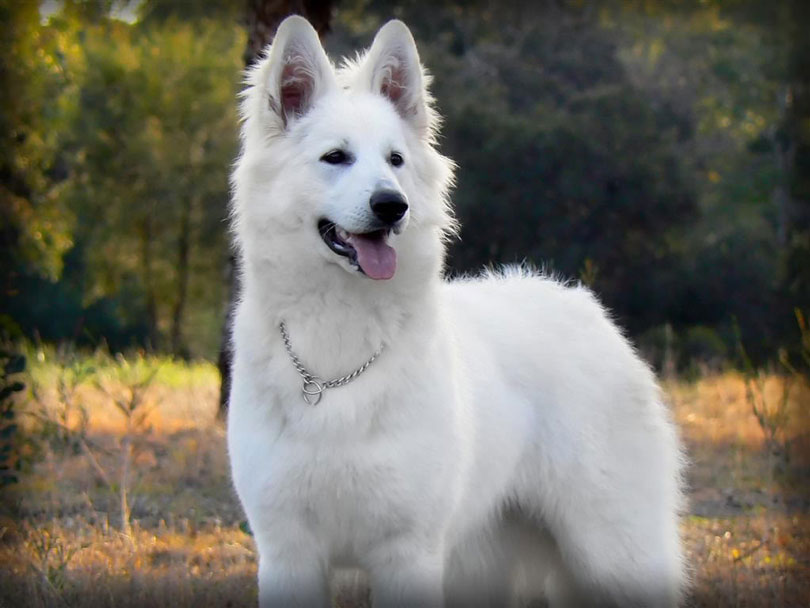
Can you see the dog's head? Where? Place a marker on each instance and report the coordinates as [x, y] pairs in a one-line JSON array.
[[341, 165]]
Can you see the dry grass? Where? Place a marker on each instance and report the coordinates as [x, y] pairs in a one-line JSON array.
[[61, 542], [748, 532]]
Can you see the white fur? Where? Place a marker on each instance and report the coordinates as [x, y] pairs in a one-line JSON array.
[[507, 444]]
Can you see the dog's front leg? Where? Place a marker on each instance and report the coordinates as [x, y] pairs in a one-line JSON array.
[[403, 576], [292, 574]]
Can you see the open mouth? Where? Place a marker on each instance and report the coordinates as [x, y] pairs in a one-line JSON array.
[[369, 252]]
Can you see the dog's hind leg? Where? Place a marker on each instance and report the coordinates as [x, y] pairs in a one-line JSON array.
[[615, 525], [478, 573], [504, 567], [614, 569], [616, 552]]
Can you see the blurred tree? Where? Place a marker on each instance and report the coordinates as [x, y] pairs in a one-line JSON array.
[[658, 150], [737, 69], [638, 137], [719, 73], [154, 138], [795, 146], [35, 225], [114, 181], [155, 12]]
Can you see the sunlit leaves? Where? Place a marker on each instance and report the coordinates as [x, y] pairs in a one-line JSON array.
[[36, 225], [114, 133]]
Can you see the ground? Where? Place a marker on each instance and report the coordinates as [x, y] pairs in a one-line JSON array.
[[98, 436]]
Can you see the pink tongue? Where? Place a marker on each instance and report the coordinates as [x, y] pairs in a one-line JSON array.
[[377, 259]]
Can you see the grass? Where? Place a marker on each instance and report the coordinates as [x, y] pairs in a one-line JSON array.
[[748, 531], [63, 541]]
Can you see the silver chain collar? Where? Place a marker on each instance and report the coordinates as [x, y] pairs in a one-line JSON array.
[[313, 387]]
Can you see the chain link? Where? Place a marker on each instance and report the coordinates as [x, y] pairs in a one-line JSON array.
[[313, 387]]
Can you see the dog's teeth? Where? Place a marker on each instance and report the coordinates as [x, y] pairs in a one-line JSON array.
[[342, 234]]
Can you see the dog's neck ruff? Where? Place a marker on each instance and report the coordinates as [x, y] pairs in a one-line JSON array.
[[313, 387]]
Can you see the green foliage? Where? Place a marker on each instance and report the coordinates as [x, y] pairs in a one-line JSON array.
[[657, 151], [35, 224], [563, 157], [140, 122], [160, 11], [47, 363], [158, 113], [643, 137]]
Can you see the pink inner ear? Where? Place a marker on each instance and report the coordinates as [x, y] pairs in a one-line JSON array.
[[396, 83], [292, 97], [296, 87], [392, 89]]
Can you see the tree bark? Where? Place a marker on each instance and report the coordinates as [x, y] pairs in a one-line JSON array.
[[796, 147], [262, 19], [183, 252], [149, 286]]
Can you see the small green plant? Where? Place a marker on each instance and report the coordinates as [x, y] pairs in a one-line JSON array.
[[589, 272], [131, 379], [773, 415], [801, 370], [50, 556], [65, 425]]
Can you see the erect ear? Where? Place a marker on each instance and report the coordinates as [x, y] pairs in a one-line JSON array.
[[299, 71], [392, 69]]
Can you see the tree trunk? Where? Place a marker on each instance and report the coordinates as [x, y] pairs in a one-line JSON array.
[[183, 247], [149, 283], [262, 19], [796, 145]]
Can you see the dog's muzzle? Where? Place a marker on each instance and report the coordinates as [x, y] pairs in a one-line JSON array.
[[368, 251]]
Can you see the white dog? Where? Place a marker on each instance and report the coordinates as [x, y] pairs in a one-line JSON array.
[[474, 443]]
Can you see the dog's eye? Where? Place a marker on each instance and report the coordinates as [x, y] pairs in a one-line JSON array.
[[336, 157], [396, 159]]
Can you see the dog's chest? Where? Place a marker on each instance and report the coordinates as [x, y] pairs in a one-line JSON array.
[[349, 495], [371, 461]]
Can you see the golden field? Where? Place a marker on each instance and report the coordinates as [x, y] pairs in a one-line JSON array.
[[99, 436]]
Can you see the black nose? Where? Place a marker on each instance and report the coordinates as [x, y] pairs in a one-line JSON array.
[[388, 205]]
